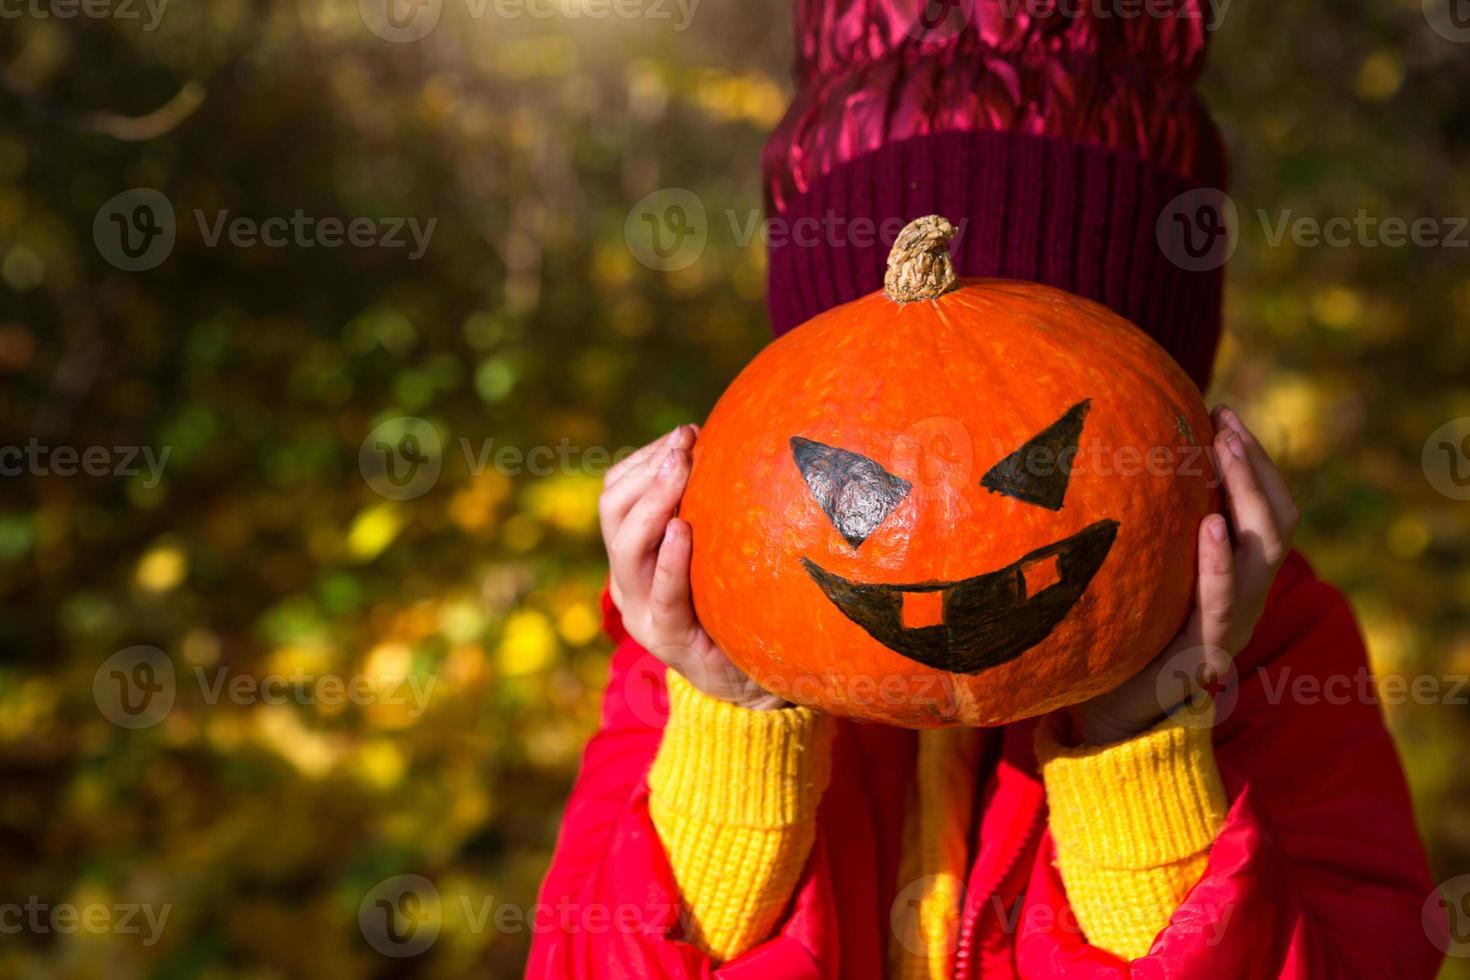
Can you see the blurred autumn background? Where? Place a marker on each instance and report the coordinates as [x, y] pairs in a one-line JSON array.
[[262, 548]]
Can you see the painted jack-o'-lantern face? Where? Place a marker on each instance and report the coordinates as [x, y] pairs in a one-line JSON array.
[[969, 507], [985, 619]]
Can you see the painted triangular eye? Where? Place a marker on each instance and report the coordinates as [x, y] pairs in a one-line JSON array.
[[1038, 472], [856, 493]]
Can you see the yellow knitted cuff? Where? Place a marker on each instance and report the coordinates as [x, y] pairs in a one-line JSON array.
[[1151, 800], [1133, 823], [733, 794], [739, 767]]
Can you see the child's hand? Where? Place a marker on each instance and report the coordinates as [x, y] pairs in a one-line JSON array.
[[648, 551], [1231, 592]]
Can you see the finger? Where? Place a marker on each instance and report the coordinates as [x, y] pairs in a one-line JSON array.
[[1260, 545], [680, 435], [1283, 508], [1215, 598], [1201, 654], [635, 459], [669, 604], [616, 501], [632, 551], [618, 498]]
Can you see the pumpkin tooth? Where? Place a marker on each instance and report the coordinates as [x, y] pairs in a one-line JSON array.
[[922, 609], [1040, 574]]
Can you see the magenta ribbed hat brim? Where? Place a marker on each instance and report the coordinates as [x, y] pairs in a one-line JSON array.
[[1074, 216]]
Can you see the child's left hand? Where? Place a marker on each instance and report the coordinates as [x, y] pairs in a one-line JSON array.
[[1231, 595]]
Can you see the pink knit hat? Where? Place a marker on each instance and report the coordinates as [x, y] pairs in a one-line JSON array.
[[1058, 136]]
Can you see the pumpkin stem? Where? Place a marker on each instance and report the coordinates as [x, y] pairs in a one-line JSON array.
[[919, 266]]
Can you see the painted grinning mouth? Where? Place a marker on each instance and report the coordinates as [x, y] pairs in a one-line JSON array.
[[980, 622]]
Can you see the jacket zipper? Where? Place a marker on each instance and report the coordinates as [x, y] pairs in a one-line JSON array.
[[964, 953]]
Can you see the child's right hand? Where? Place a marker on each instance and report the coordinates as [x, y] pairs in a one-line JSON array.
[[648, 551]]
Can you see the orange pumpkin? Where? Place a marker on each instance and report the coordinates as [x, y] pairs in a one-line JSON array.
[[951, 501]]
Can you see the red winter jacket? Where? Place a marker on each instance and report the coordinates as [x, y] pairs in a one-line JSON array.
[[1317, 873]]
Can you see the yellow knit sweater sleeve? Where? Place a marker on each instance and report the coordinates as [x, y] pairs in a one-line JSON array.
[[733, 794], [1133, 823]]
